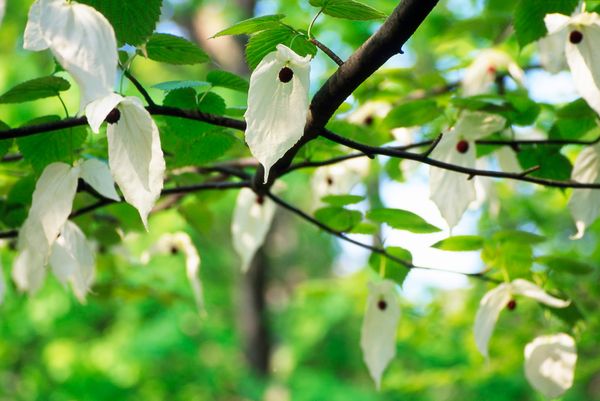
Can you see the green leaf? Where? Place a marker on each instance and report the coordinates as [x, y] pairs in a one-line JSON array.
[[338, 218], [38, 88], [348, 9], [413, 113], [390, 268], [365, 227], [133, 20], [564, 264], [402, 220], [62, 145], [552, 163], [228, 80], [266, 42], [529, 17], [515, 257], [172, 49], [252, 25], [460, 243], [342, 200], [523, 237], [209, 102], [172, 85]]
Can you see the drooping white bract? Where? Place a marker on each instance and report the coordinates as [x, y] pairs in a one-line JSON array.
[[81, 39], [580, 33], [2, 9], [497, 299], [277, 105], [552, 54], [481, 73], [550, 364], [378, 333], [452, 192], [338, 179], [252, 218], [181, 241], [72, 260], [52, 202], [134, 153], [585, 203]]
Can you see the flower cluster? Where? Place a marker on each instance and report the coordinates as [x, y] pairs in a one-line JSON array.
[[83, 42]]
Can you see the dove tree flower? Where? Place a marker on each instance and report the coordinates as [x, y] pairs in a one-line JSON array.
[[181, 241], [580, 34], [134, 152], [584, 204], [52, 202], [338, 179], [550, 364], [82, 41], [252, 218], [494, 301], [378, 333], [449, 190], [277, 105], [482, 72]]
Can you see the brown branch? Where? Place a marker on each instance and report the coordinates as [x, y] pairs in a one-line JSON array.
[[380, 251], [470, 172], [220, 185]]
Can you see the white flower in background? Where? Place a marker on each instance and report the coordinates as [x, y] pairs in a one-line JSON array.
[[481, 73], [252, 218], [580, 34], [552, 55], [81, 39], [339, 178], [134, 154], [368, 111], [550, 364], [2, 9], [72, 260], [52, 202], [181, 242], [585, 203], [378, 333], [495, 300], [452, 192], [277, 105]]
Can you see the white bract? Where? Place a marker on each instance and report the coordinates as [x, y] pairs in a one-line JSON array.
[[585, 203], [497, 299], [134, 153], [2, 9], [550, 364], [277, 105], [72, 260], [378, 333], [551, 49], [452, 192], [481, 73], [580, 34], [181, 241], [252, 218], [81, 39], [339, 178], [52, 202]]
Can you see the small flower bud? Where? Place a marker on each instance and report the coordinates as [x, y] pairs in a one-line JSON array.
[[369, 120], [382, 305], [286, 74], [260, 200], [575, 37], [329, 180], [462, 146], [113, 117], [511, 305]]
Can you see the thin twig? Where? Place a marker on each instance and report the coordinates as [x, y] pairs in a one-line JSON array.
[[139, 87], [336, 59], [380, 251], [452, 167], [433, 146]]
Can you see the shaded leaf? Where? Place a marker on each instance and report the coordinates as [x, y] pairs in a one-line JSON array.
[[38, 88]]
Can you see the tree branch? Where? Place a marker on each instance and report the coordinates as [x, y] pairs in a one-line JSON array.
[[471, 172], [383, 44]]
